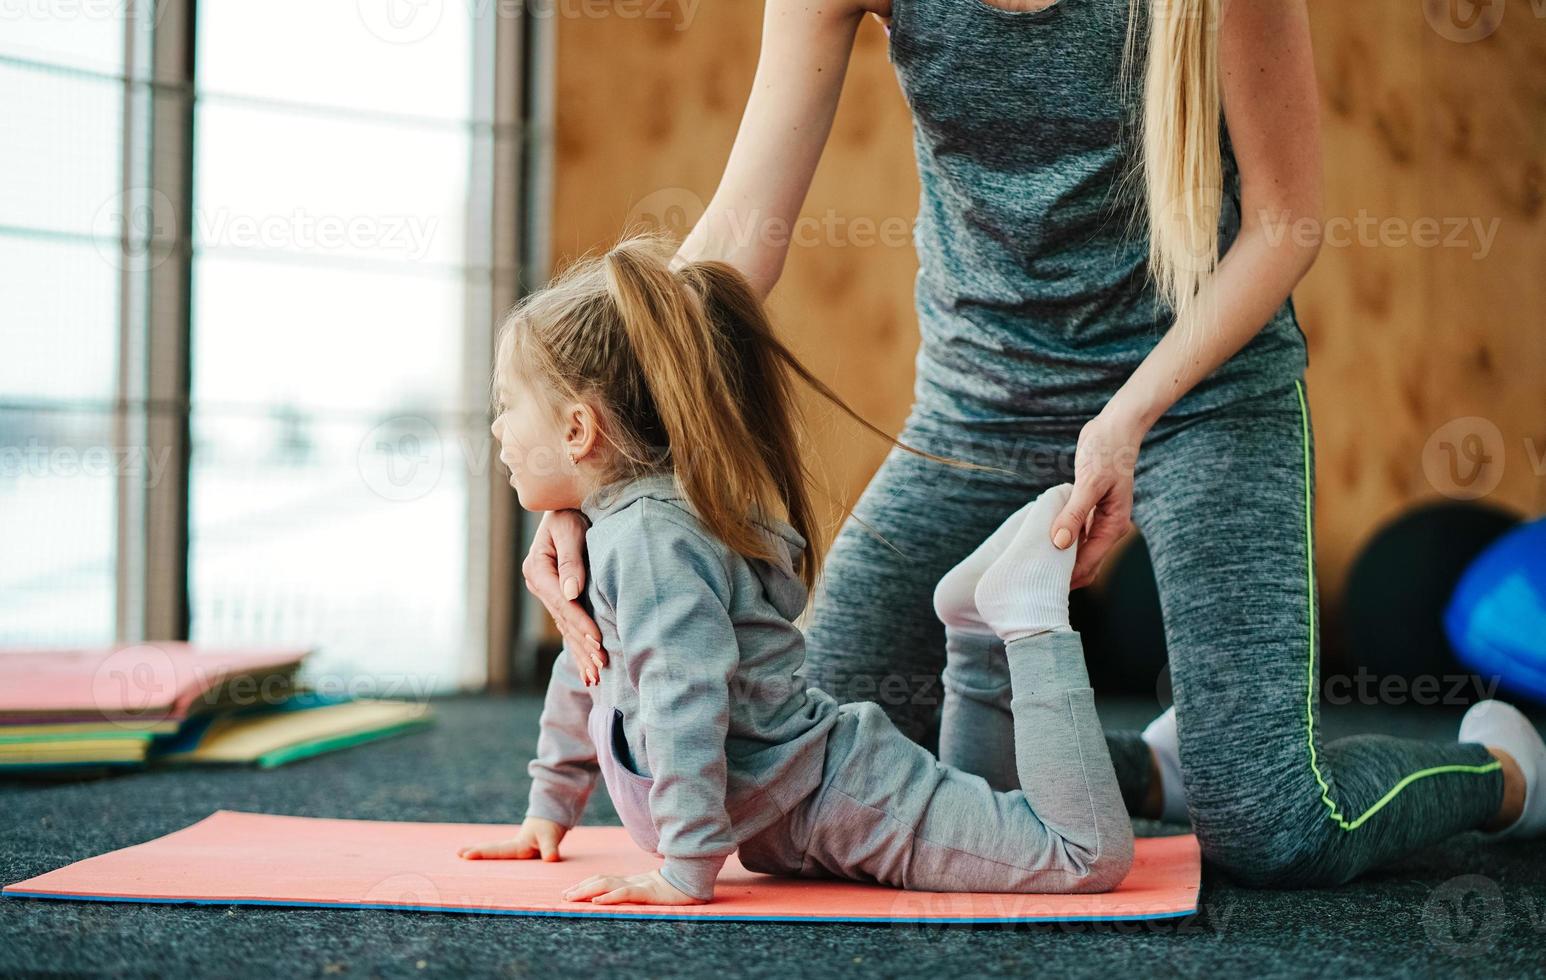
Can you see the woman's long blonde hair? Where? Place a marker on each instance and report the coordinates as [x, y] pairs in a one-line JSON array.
[[1179, 145], [684, 369]]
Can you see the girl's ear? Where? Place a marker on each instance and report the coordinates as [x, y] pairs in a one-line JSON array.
[[581, 431]]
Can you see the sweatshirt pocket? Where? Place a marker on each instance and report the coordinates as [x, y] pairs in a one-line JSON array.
[[630, 791]]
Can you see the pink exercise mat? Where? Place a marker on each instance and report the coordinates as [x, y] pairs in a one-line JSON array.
[[232, 858], [139, 682]]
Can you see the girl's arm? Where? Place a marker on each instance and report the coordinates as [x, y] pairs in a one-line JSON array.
[[670, 590], [805, 50], [564, 772], [1271, 108]]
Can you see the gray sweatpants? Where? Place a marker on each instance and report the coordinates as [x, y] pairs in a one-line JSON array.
[[1224, 500], [888, 811]]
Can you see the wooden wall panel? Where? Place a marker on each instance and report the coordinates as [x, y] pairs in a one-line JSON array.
[[1424, 132], [1403, 338], [646, 114]]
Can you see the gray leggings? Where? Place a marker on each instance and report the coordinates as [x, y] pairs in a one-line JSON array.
[[888, 811], [1224, 501]]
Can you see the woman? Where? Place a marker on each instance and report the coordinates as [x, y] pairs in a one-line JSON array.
[[1142, 329]]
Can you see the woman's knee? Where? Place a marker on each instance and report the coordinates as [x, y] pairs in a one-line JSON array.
[[1268, 854], [1269, 867]]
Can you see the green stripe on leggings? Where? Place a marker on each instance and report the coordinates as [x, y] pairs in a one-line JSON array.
[[1334, 812]]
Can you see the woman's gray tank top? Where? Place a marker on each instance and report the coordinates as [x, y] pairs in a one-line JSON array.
[[1033, 296]]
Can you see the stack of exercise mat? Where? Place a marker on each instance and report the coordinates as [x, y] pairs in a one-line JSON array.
[[68, 711]]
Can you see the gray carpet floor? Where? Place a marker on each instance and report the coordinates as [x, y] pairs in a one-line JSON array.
[[1466, 908]]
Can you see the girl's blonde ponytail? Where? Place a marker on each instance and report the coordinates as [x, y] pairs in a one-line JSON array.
[[690, 379], [696, 396]]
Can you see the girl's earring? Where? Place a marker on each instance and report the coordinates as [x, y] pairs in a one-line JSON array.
[[572, 460]]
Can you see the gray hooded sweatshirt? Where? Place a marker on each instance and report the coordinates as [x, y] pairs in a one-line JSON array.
[[701, 728]]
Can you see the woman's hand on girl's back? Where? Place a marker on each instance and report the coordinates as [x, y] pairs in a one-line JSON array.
[[554, 571], [536, 838]]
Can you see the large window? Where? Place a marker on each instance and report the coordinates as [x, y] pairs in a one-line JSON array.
[[63, 85], [333, 393], [303, 389]]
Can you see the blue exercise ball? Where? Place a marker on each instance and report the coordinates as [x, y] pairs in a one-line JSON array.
[[1496, 619]]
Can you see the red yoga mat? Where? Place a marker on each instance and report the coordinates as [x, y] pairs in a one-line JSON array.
[[232, 858]]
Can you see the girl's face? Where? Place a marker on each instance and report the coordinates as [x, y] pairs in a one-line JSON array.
[[542, 447]]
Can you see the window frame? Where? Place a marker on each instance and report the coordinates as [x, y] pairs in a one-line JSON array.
[[152, 406]]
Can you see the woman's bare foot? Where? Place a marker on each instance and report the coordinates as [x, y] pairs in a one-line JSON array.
[[1520, 750], [1513, 806]]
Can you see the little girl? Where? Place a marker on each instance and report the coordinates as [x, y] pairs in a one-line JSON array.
[[659, 403]]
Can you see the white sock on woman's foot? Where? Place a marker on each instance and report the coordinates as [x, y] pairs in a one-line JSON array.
[[1499, 725], [1024, 590], [1161, 739], [955, 600]]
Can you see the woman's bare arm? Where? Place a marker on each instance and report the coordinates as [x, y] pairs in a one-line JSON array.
[[805, 50], [1271, 105], [806, 46]]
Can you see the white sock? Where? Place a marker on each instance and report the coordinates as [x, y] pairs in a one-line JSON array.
[[1161, 739], [1024, 591], [955, 597], [1501, 726]]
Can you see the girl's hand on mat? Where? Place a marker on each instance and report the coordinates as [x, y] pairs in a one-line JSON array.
[[536, 838], [645, 889], [554, 570], [1101, 507]]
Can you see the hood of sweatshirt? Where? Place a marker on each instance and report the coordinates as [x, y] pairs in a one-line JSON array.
[[780, 580]]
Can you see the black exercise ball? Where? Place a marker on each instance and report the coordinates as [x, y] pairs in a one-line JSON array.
[[1398, 587], [1120, 620]]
